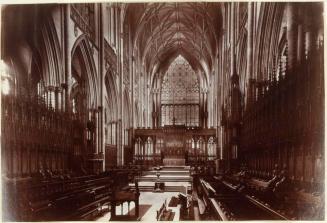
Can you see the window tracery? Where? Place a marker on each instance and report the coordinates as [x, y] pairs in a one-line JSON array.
[[180, 95]]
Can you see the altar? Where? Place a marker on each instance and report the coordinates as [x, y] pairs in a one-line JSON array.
[[174, 162], [171, 145], [174, 156]]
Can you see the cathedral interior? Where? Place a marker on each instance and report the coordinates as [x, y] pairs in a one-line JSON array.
[[162, 111]]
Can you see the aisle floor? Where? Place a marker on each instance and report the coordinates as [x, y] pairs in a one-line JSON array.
[[149, 203]]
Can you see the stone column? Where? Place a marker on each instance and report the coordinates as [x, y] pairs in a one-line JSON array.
[[251, 82], [102, 70], [120, 60], [132, 96], [94, 132], [300, 44], [56, 95], [101, 126], [68, 58], [201, 108], [206, 147], [206, 104], [97, 131], [291, 34], [154, 119], [232, 38], [158, 108], [49, 98], [63, 97], [60, 99], [148, 114]]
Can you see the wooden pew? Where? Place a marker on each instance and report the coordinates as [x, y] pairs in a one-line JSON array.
[[84, 202], [68, 198], [164, 214], [282, 195], [305, 205], [211, 204], [41, 201]]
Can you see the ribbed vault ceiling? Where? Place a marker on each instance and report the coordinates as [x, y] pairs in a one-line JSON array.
[[162, 31]]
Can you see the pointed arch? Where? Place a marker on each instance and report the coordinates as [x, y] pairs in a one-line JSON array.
[[50, 52], [112, 93], [82, 53]]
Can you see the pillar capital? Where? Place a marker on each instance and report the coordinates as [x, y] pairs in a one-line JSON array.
[[50, 88], [58, 89], [64, 86]]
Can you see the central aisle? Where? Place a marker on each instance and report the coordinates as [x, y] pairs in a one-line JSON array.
[[176, 179], [149, 204]]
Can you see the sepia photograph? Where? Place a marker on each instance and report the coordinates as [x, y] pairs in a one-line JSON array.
[[162, 111]]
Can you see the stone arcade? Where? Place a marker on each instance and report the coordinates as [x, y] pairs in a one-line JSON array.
[[162, 111]]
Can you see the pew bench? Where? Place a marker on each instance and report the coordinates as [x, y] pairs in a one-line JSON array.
[[301, 204], [39, 209], [164, 214], [46, 200], [72, 198]]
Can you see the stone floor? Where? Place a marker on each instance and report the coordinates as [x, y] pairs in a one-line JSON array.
[[149, 203], [148, 183]]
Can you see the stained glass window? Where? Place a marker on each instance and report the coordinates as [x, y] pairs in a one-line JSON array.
[[180, 95]]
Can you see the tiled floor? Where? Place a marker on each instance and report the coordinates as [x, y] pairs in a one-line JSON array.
[[154, 200]]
